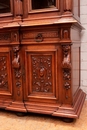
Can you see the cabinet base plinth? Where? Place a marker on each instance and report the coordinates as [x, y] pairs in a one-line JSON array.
[[17, 106], [73, 111]]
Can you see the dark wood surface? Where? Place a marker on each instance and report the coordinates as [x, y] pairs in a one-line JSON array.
[[40, 59]]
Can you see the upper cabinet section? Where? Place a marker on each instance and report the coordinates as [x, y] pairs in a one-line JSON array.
[[33, 10]]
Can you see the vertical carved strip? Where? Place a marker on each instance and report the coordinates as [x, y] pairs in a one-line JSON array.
[[67, 5], [18, 7], [17, 69], [66, 68]]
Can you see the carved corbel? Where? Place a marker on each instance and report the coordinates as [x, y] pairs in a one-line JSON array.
[[16, 60], [66, 58]]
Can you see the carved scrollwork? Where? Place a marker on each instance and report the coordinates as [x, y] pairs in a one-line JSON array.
[[42, 73]]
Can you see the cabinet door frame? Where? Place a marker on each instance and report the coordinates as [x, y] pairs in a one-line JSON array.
[[30, 94], [38, 13]]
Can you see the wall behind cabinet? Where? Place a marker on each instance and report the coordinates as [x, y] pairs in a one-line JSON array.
[[83, 19]]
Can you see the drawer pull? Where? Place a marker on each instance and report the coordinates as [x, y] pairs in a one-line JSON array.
[[39, 38]]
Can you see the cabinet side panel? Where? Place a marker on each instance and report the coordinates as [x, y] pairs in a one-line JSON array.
[[76, 9], [75, 69]]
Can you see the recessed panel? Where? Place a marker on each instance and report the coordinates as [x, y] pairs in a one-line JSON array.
[[41, 74], [5, 73]]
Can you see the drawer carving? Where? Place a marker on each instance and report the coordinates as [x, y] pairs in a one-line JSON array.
[[32, 35], [5, 36]]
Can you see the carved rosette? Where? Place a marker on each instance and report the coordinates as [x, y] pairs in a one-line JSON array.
[[3, 73], [42, 73], [66, 68], [17, 68]]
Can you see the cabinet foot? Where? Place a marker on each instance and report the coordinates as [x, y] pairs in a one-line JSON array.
[[21, 114], [67, 120]]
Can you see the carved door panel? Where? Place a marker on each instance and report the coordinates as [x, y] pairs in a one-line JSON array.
[[5, 73], [41, 73]]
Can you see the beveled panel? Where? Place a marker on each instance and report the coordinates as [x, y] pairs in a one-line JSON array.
[[5, 72], [40, 73]]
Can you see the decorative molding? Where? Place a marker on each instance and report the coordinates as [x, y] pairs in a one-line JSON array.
[[46, 34], [42, 73]]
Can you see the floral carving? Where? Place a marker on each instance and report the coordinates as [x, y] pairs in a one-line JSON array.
[[66, 74], [42, 73]]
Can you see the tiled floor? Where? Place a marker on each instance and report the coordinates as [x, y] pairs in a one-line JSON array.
[[9, 121]]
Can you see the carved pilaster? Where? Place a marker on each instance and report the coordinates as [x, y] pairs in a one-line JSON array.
[[66, 69], [67, 5], [17, 69], [18, 10]]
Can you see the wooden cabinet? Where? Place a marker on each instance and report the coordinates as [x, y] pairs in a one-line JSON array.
[[40, 57]]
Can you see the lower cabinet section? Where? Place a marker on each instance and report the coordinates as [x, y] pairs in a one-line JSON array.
[[40, 71], [32, 80]]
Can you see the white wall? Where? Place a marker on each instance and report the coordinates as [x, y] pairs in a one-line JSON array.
[[83, 19]]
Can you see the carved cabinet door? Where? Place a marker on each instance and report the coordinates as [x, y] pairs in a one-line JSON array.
[[5, 75], [41, 73]]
